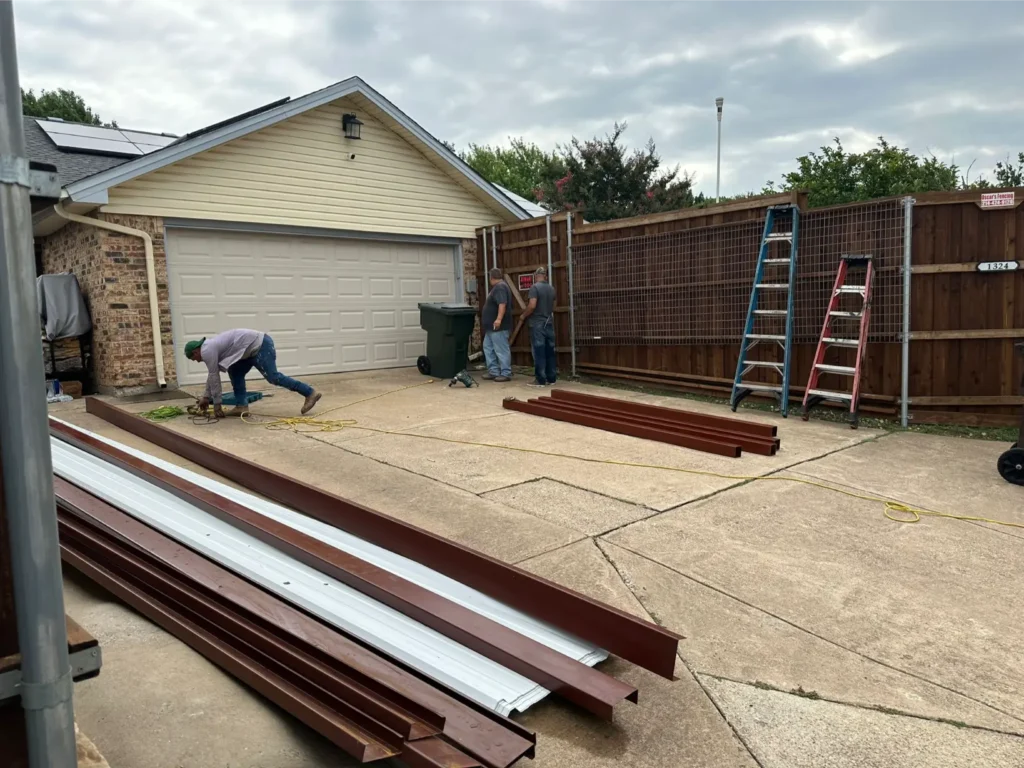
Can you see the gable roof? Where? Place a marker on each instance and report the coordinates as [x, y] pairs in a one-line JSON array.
[[532, 208], [71, 166], [93, 188]]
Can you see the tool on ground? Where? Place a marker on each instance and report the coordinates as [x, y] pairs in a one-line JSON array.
[[837, 332], [463, 378], [1011, 462], [770, 319]]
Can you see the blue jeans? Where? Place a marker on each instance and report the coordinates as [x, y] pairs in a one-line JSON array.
[[264, 361], [545, 362], [497, 354]]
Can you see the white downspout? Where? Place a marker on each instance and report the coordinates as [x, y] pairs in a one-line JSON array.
[[154, 307]]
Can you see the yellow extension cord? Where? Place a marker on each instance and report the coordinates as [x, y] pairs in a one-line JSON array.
[[894, 510]]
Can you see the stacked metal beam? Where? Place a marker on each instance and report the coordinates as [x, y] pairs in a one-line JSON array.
[[703, 432], [273, 596]]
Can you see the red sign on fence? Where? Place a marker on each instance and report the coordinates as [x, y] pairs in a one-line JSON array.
[[526, 282], [997, 200]]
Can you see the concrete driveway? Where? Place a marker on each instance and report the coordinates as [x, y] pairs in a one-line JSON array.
[[818, 632]]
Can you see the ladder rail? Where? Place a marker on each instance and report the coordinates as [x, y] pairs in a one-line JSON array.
[[748, 326], [788, 352], [862, 347]]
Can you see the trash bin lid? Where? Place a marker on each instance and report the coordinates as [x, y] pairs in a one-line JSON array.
[[448, 308]]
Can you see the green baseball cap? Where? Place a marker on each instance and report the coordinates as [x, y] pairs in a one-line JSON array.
[[192, 346]]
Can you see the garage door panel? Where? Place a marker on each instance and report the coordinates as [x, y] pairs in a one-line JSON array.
[[330, 304]]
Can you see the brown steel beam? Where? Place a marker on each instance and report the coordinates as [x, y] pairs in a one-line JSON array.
[[301, 705], [629, 637], [435, 753], [760, 445], [571, 679], [720, 448], [702, 419], [496, 741], [375, 715]]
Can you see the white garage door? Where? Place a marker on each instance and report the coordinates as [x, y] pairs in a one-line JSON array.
[[330, 304]]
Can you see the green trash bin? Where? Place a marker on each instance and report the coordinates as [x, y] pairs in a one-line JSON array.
[[448, 328]]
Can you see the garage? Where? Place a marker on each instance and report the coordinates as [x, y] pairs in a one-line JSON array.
[[331, 304]]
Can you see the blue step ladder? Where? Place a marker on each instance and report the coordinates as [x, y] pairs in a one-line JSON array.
[[775, 276]]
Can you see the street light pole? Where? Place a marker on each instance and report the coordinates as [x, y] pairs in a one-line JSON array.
[[718, 173]]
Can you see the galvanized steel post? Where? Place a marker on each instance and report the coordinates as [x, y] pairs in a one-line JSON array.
[[486, 268], [547, 224], [908, 228], [572, 298], [494, 245], [46, 682]]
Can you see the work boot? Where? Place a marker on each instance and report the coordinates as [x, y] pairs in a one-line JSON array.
[[502, 379], [312, 399], [490, 376], [238, 410]]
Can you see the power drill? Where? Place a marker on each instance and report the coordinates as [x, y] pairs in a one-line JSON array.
[[463, 378]]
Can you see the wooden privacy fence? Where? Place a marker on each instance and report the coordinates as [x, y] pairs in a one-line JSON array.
[[661, 299]]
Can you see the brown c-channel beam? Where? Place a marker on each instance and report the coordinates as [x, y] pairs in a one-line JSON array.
[[571, 679], [495, 740], [622, 427], [298, 703], [724, 423], [760, 445], [629, 637]]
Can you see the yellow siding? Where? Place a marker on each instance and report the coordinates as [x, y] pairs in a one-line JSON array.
[[299, 173]]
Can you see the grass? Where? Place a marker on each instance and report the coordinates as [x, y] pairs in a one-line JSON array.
[[999, 434]]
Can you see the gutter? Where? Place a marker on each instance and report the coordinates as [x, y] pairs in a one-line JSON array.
[[154, 307]]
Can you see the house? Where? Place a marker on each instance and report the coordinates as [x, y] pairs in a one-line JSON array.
[[323, 220]]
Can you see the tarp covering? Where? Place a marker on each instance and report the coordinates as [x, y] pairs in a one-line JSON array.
[[62, 307]]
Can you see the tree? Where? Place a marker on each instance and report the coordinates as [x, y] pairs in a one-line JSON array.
[[521, 167], [603, 181], [835, 176], [1010, 174], [62, 103]]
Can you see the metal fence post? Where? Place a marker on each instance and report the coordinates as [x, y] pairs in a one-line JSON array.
[[547, 224], [46, 681], [908, 229], [572, 298], [494, 245], [486, 268]]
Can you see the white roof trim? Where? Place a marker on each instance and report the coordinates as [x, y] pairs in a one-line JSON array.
[[91, 186]]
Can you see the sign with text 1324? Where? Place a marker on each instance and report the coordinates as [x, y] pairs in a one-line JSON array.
[[998, 200], [998, 266]]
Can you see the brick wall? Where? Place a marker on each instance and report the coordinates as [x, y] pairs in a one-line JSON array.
[[469, 267], [111, 269]]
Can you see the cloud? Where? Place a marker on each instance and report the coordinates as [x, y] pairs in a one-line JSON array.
[[939, 77]]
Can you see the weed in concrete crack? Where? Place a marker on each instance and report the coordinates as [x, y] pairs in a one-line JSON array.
[[799, 691], [954, 723], [764, 686], [886, 710]]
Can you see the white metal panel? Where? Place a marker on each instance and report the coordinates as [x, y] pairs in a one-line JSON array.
[[436, 582], [330, 304]]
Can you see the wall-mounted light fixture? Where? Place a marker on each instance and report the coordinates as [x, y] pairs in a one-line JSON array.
[[352, 126]]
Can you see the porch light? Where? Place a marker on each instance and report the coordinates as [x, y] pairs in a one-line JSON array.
[[352, 126]]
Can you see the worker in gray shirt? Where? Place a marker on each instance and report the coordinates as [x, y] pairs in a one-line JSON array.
[[238, 351], [496, 319], [539, 316]]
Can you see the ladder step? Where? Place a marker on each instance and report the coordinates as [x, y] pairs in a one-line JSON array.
[[780, 236], [836, 313], [776, 261], [766, 336], [851, 289], [759, 387], [846, 370], [842, 342], [770, 312], [776, 286], [844, 396], [763, 363]]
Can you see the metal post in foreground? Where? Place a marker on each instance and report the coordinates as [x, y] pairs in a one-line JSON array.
[[494, 245], [572, 298], [547, 224], [46, 684], [486, 268], [908, 229], [718, 173]]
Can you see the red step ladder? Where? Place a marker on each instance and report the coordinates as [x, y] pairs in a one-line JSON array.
[[837, 331]]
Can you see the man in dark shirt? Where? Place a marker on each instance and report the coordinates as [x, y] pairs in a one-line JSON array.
[[497, 323], [539, 315]]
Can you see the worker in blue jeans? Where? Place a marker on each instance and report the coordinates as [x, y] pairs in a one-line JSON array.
[[238, 351], [539, 316], [497, 323]]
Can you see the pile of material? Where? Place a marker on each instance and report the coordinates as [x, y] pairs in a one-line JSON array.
[[712, 434], [386, 639]]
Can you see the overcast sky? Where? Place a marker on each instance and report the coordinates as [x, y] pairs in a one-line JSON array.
[[943, 77]]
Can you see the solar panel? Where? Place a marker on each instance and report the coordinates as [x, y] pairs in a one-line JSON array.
[[110, 141]]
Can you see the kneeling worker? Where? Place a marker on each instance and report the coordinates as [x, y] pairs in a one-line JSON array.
[[239, 351]]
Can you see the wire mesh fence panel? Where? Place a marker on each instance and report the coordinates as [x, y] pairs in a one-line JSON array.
[[693, 286]]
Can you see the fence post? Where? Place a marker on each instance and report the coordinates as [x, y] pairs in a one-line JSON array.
[[494, 245], [547, 224], [572, 298], [486, 268], [908, 228]]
